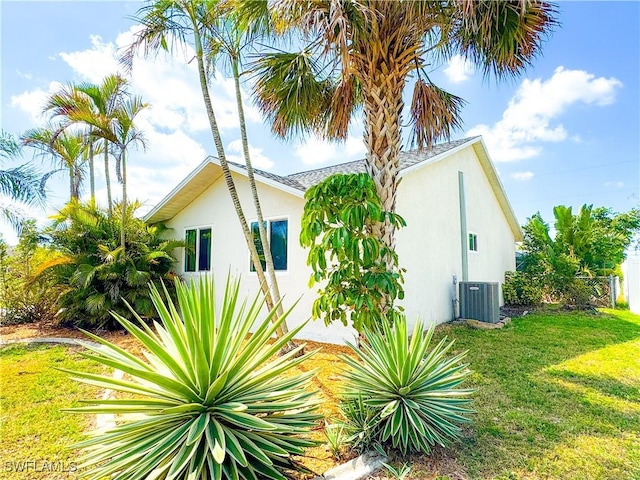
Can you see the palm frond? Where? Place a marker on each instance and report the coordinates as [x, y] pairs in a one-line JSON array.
[[434, 114], [504, 37]]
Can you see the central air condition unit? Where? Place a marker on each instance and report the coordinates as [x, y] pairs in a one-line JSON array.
[[480, 301]]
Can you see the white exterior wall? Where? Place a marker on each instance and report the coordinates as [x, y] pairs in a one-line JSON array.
[[429, 247], [229, 251], [631, 269]]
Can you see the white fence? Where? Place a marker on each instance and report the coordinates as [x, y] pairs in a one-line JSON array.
[[631, 268]]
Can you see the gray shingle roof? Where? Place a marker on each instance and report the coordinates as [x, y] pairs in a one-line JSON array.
[[303, 180], [407, 159]]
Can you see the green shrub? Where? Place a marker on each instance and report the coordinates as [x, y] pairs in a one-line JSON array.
[[23, 299], [209, 402], [577, 294], [96, 274], [360, 272], [411, 392], [522, 288]]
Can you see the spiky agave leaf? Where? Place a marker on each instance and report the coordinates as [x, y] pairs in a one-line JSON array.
[[412, 389], [209, 402]]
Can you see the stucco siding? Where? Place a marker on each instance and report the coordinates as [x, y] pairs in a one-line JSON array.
[[430, 246], [230, 254]]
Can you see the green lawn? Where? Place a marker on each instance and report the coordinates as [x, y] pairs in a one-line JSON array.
[[34, 432], [558, 397]]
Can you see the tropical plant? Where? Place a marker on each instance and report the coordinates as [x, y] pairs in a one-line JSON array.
[[589, 243], [400, 472], [74, 102], [20, 184], [119, 130], [336, 438], [168, 24], [413, 390], [362, 53], [211, 401], [522, 289], [361, 272], [22, 298], [68, 151], [97, 275]]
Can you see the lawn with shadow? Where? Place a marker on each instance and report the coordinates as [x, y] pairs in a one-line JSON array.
[[558, 397]]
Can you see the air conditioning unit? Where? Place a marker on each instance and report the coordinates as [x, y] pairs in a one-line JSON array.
[[480, 301]]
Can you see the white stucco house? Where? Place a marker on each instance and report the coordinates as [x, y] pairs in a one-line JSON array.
[[459, 223]]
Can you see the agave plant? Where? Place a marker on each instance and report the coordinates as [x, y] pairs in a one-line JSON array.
[[411, 392], [208, 401]]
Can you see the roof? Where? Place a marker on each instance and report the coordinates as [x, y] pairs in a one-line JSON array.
[[296, 184]]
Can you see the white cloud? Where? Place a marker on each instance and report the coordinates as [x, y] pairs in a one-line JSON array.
[[316, 151], [614, 184], [522, 176], [176, 113], [458, 69], [527, 121], [32, 102], [258, 159]]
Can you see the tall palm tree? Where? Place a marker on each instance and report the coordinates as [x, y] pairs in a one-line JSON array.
[[168, 24], [230, 37], [119, 131], [20, 184], [101, 100], [69, 151], [362, 53]]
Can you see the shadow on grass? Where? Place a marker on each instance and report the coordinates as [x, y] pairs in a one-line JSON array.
[[540, 386]]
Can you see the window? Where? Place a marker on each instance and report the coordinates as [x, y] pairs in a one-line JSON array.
[[277, 233], [197, 250], [473, 242]]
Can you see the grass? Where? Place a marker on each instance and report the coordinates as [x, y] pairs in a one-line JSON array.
[[35, 433], [558, 396]]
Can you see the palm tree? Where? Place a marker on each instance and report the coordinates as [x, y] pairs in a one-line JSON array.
[[68, 151], [230, 37], [166, 24], [362, 53], [120, 132], [19, 184], [99, 100]]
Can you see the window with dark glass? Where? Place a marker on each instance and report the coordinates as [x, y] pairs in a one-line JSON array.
[[277, 234], [204, 252], [473, 242], [197, 252], [190, 251]]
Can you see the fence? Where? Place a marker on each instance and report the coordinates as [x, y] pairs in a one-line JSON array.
[[604, 290]]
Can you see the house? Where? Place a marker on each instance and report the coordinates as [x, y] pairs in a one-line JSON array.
[[459, 224]]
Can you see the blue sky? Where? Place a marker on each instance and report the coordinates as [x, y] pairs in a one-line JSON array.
[[565, 132]]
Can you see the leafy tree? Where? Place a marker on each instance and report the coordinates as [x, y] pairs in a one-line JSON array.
[[98, 276], [337, 228], [361, 54], [590, 243], [22, 299]]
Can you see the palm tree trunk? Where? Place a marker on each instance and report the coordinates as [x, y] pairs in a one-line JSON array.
[[382, 109], [107, 177], [72, 183], [227, 173], [124, 197], [275, 291], [92, 179]]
